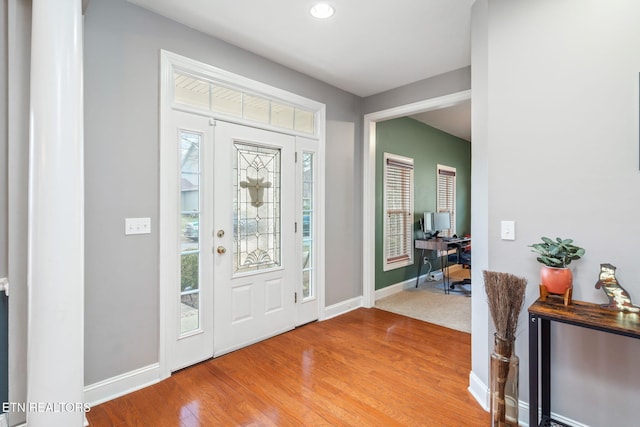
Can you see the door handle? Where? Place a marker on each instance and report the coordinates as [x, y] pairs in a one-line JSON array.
[[221, 250]]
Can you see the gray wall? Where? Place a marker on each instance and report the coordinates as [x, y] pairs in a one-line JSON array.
[[433, 87], [122, 44], [561, 96]]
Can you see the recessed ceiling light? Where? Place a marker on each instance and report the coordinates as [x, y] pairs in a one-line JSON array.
[[322, 11]]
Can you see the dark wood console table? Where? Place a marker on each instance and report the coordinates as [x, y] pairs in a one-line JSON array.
[[583, 314]]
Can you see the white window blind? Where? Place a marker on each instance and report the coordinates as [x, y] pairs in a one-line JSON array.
[[398, 210], [446, 197]]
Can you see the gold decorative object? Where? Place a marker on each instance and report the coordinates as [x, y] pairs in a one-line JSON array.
[[619, 299]]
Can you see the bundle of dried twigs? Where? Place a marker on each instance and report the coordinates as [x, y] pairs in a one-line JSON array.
[[505, 295]]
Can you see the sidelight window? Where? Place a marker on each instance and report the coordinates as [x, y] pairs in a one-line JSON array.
[[190, 179]]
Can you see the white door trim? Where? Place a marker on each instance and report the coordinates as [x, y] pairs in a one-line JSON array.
[[369, 179], [168, 267]]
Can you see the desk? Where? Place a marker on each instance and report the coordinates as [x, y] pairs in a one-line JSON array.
[[583, 314], [440, 246]]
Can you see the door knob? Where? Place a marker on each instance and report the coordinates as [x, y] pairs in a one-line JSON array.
[[221, 250]]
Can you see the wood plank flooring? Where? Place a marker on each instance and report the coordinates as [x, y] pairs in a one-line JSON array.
[[366, 368]]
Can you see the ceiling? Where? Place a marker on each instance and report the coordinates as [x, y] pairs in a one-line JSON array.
[[455, 120], [365, 48]]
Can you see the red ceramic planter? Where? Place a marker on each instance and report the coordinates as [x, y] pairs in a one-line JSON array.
[[556, 280]]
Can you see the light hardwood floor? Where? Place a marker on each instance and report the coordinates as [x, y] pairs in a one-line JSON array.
[[366, 368]]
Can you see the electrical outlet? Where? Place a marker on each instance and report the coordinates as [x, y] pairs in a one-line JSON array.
[[435, 275], [137, 226]]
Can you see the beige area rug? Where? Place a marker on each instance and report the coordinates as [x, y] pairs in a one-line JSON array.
[[429, 303]]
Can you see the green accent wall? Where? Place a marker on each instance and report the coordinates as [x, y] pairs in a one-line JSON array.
[[428, 147]]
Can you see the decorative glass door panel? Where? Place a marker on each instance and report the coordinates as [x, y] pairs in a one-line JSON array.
[[256, 207], [190, 178]]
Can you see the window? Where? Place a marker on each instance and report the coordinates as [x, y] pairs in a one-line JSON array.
[[446, 197], [308, 286], [206, 95], [190, 175], [398, 211]]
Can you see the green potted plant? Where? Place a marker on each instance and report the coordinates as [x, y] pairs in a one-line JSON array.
[[555, 256]]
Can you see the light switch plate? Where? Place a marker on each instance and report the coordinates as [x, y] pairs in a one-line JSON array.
[[508, 230], [137, 226]]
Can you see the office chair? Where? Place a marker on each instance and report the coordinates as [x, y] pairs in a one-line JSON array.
[[462, 257]]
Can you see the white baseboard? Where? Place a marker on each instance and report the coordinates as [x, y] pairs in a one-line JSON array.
[[120, 385], [410, 283], [399, 287], [393, 289], [523, 414], [342, 308], [567, 421], [479, 390], [523, 417]]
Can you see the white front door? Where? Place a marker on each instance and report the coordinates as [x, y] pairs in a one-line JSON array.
[[254, 235]]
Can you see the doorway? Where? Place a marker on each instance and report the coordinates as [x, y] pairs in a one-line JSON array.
[[369, 166], [241, 212]]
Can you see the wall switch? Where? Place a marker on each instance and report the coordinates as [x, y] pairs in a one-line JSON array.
[[508, 230], [137, 226]]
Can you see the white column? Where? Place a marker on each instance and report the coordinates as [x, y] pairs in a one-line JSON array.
[[55, 358]]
